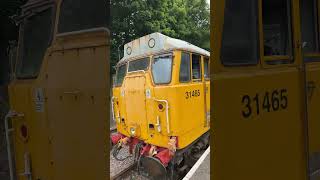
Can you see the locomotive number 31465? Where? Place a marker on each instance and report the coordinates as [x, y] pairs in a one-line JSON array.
[[191, 94], [269, 101]]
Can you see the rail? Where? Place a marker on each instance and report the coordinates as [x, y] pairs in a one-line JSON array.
[[124, 172]]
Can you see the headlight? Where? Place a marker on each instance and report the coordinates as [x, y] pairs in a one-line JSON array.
[[132, 131]]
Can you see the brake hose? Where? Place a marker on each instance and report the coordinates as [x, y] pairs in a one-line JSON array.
[[115, 151], [137, 155]]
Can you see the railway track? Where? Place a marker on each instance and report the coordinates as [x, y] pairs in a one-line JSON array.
[[129, 172], [124, 173]]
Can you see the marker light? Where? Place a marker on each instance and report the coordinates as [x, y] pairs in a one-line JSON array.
[[24, 131], [160, 106], [132, 131]]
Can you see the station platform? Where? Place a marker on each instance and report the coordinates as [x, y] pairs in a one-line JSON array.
[[201, 170]]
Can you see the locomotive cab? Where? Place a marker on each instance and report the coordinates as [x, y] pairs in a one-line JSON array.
[[161, 95], [52, 96], [266, 71]]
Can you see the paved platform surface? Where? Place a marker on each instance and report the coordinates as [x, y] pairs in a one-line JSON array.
[[315, 175], [203, 171]]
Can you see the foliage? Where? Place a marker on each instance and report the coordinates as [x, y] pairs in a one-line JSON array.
[[184, 19]]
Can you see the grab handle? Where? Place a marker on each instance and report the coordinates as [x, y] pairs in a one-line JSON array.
[[8, 130], [72, 92]]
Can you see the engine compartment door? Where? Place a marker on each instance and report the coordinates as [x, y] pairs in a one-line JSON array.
[[135, 104]]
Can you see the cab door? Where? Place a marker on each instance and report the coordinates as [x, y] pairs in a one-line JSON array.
[[191, 86], [258, 120], [196, 93], [206, 86], [309, 14]]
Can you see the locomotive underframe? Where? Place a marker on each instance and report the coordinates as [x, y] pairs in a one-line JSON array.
[[158, 162]]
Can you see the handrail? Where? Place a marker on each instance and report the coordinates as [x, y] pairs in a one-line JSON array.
[[72, 92], [167, 112], [112, 108], [113, 112], [10, 160], [92, 30], [27, 166], [9, 115]]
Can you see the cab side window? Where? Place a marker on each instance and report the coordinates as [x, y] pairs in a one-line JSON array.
[[34, 43], [309, 26], [121, 73], [240, 33], [77, 15], [196, 67], [276, 27], [206, 68], [185, 75]]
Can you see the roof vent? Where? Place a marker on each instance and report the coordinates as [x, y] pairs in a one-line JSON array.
[[129, 50]]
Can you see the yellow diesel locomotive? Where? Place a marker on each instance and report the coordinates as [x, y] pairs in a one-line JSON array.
[[266, 76], [161, 102]]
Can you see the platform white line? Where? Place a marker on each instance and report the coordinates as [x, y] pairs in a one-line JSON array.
[[315, 173], [197, 165]]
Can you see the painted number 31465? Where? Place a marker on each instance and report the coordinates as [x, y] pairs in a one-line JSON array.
[[269, 101], [191, 94]]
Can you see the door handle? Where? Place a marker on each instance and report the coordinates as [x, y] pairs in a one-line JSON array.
[[71, 92]]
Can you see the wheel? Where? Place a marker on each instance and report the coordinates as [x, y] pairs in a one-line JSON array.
[[153, 168]]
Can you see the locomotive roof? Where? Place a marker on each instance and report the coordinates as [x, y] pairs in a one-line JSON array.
[[154, 43]]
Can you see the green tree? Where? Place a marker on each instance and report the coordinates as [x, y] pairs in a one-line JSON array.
[[183, 19]]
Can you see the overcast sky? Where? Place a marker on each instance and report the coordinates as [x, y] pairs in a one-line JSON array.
[[208, 1]]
